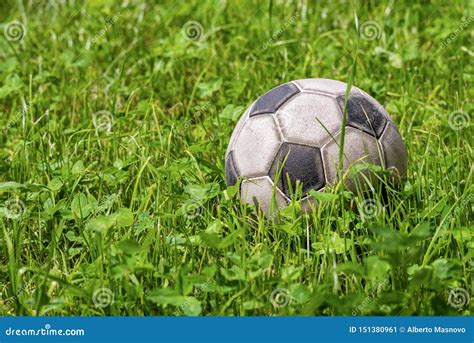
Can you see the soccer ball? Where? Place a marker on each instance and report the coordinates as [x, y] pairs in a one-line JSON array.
[[289, 138]]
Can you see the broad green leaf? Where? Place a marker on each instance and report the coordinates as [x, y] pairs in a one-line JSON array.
[[214, 227], [231, 112], [300, 293], [123, 217], [78, 167], [463, 234], [234, 273], [231, 238], [419, 276], [70, 235], [55, 184], [11, 85], [264, 259], [376, 267], [252, 305], [10, 185], [447, 269], [210, 239], [231, 191], [202, 192], [290, 273], [118, 163], [166, 296], [101, 224], [80, 206], [422, 231], [191, 307], [129, 246], [323, 196], [206, 89], [351, 268]]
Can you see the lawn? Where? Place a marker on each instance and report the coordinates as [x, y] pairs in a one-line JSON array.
[[115, 118]]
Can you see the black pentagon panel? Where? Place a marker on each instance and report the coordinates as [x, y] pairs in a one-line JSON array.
[[231, 173], [364, 115], [301, 163], [273, 99]]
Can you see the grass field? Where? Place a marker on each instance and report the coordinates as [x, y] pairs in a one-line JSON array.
[[115, 118]]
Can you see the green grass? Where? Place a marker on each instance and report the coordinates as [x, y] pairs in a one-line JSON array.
[[135, 207]]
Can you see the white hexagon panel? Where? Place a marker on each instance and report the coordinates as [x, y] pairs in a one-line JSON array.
[[256, 145], [328, 86], [359, 147], [262, 192], [309, 118]]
